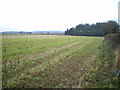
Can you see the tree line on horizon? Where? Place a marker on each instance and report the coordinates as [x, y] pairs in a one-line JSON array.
[[98, 29]]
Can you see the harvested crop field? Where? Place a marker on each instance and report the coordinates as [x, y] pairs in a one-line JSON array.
[[53, 61]]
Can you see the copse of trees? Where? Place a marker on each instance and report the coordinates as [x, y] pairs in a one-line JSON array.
[[98, 29]]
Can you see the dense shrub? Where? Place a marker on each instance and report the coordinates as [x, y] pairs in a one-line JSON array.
[[113, 40]]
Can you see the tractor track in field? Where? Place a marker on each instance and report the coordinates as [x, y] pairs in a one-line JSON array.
[[68, 71], [66, 74], [43, 54], [56, 58], [52, 50], [69, 74]]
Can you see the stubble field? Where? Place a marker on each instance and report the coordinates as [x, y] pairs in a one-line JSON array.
[[53, 61]]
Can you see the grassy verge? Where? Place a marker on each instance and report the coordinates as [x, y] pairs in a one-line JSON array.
[[104, 75]]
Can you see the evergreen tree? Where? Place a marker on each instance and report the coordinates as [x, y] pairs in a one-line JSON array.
[[98, 29]]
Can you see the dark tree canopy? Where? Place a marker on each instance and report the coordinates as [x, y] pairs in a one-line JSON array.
[[98, 29]]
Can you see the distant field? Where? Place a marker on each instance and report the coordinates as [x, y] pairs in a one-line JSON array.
[[51, 61]]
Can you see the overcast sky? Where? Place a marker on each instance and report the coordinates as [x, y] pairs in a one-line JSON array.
[[54, 15]]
